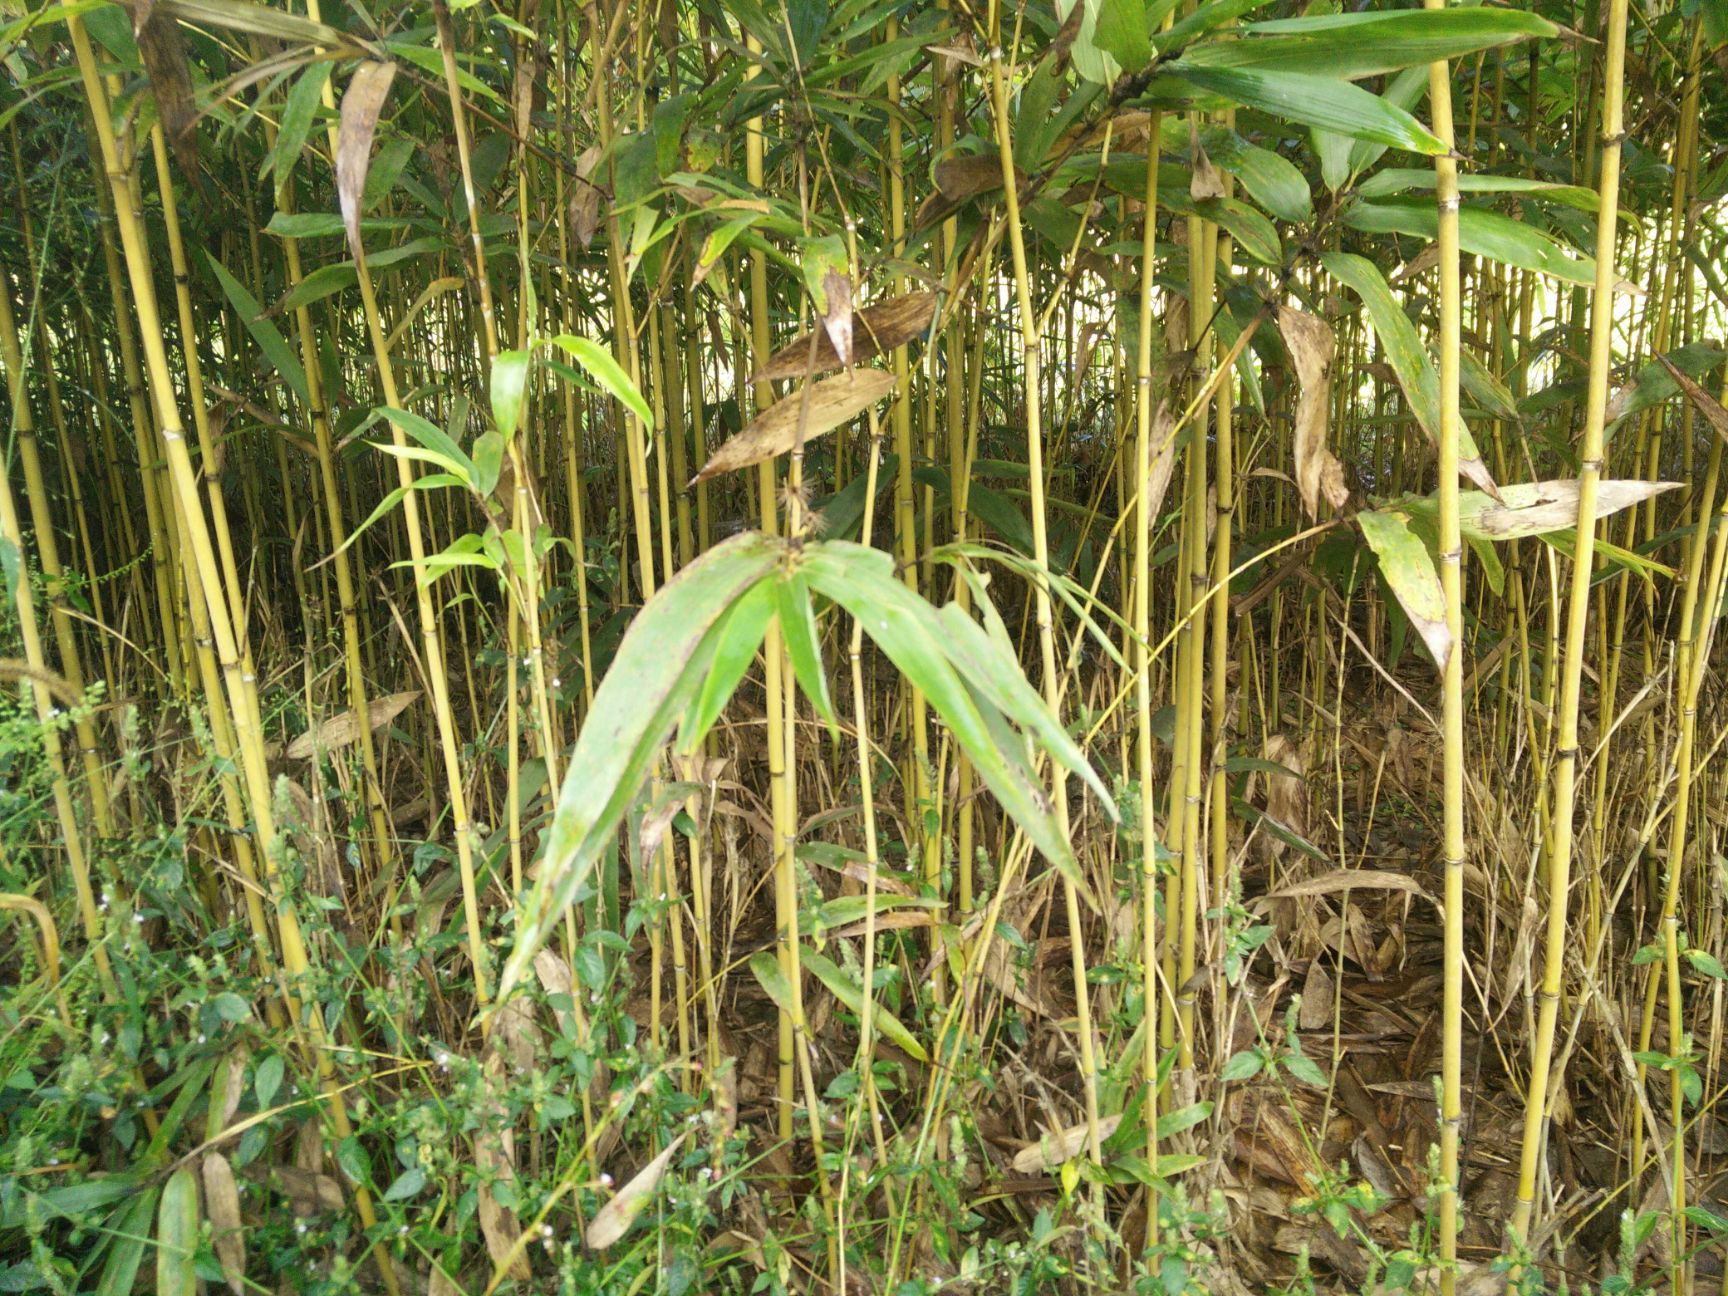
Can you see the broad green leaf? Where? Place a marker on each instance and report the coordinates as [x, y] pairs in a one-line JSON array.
[[1270, 179], [604, 369], [1403, 92], [1324, 102], [427, 434], [131, 1225], [765, 967], [849, 992], [488, 460], [1172, 1123], [1354, 45], [296, 122], [1121, 33], [1093, 63], [908, 631], [804, 647], [509, 390], [177, 1236], [1397, 180], [1407, 356], [735, 640], [1408, 569], [1487, 390], [1481, 233], [268, 337], [1252, 231], [650, 683]]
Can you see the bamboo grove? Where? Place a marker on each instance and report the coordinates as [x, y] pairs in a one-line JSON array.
[[856, 647]]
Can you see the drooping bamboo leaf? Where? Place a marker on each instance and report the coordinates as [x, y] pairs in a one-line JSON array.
[[296, 124], [1407, 356], [265, 333], [1481, 233], [908, 630], [509, 392], [604, 369], [361, 106], [649, 685], [1410, 573], [849, 992], [798, 632]]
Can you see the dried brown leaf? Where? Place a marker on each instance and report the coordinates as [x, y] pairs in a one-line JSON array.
[[1707, 404], [1312, 346], [222, 1206], [613, 1219], [875, 329], [1205, 181], [364, 100], [806, 413], [1537, 508], [340, 730], [1051, 1151], [164, 57], [1350, 880]]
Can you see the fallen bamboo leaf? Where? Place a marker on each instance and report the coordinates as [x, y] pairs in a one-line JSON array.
[[222, 1208], [340, 730], [614, 1219], [1350, 880], [1053, 1150]]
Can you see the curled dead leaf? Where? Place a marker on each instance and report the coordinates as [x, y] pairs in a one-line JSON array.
[[876, 329], [1312, 346], [361, 105], [806, 413]]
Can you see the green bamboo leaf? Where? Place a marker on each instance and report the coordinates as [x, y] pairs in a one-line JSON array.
[[1121, 33], [131, 1229], [177, 1236], [851, 993], [1270, 179], [1409, 570], [1396, 180], [1407, 356], [509, 391], [1480, 233], [765, 967], [604, 369], [268, 337], [428, 435], [488, 460], [1354, 45], [296, 123], [1324, 102], [909, 632], [798, 632], [652, 679], [1252, 231], [734, 642]]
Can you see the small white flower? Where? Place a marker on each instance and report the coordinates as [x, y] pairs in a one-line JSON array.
[[605, 1180]]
